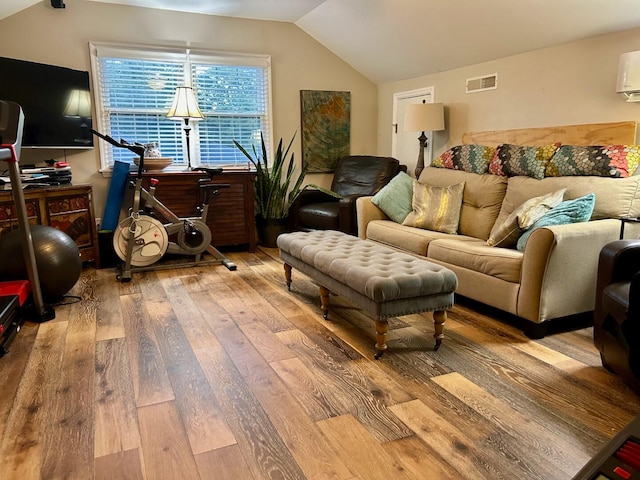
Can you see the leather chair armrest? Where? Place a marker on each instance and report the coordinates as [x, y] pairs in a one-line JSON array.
[[634, 299], [347, 214], [306, 197], [313, 196], [619, 261]]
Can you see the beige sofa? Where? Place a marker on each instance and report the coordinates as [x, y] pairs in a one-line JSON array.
[[555, 275]]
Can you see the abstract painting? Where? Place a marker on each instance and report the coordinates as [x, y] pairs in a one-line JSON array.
[[326, 128]]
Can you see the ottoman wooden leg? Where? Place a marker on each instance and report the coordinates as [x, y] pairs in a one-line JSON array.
[[439, 317], [287, 275], [381, 337], [324, 301]]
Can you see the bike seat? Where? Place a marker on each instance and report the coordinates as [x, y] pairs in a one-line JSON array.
[[212, 172]]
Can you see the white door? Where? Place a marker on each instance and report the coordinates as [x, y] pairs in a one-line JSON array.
[[405, 145]]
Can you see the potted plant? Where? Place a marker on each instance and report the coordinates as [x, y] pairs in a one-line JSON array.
[[276, 188]]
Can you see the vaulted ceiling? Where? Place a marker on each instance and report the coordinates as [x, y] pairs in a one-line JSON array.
[[389, 40]]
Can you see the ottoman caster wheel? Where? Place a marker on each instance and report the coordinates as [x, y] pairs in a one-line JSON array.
[[378, 355], [437, 345]]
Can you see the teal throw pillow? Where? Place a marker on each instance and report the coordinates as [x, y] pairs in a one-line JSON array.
[[570, 211], [394, 199]]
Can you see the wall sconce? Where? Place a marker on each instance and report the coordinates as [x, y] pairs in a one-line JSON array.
[[185, 107], [423, 117]]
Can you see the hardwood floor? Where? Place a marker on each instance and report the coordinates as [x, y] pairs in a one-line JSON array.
[[206, 373]]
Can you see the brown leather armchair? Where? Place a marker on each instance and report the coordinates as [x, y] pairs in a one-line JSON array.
[[617, 310], [355, 176]]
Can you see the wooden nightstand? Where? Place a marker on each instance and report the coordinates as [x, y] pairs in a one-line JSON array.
[[66, 207], [231, 216]]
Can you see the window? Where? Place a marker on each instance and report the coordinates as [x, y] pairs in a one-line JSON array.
[[134, 88]]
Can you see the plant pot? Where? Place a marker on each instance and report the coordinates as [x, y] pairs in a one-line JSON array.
[[269, 229]]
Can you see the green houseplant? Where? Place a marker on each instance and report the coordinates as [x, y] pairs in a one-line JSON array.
[[276, 187]]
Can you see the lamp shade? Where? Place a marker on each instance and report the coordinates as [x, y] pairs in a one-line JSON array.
[[78, 104], [184, 104], [424, 117]]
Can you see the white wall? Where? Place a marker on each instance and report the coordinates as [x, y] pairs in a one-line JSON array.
[[567, 84], [61, 37]]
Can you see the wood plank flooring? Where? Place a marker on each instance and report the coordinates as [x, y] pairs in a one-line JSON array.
[[203, 373]]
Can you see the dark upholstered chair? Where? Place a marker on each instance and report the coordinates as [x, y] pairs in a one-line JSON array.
[[355, 176], [617, 310]]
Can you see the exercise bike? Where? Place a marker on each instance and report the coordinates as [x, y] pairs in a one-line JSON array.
[[141, 239]]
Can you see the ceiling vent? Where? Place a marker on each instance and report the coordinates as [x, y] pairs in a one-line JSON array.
[[480, 84]]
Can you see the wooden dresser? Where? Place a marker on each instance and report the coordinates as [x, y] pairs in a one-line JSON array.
[[231, 215], [66, 207]]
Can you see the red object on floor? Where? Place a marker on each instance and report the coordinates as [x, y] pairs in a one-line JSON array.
[[21, 288]]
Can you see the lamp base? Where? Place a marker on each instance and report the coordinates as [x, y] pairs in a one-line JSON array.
[[187, 130], [420, 165]]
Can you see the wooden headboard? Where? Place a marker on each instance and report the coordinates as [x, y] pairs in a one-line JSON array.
[[620, 133]]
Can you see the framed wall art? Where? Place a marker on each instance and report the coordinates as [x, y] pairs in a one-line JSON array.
[[326, 128]]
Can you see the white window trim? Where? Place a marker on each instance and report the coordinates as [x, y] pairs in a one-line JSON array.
[[98, 49]]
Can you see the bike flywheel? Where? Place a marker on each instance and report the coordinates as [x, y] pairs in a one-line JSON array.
[[149, 236]]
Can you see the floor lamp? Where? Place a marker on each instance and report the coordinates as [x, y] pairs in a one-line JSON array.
[[423, 117], [185, 107]]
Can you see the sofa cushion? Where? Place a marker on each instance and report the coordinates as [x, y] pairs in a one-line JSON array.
[[511, 160], [506, 234], [410, 239], [481, 200], [469, 158], [615, 197], [394, 199], [571, 211], [436, 208], [503, 263], [603, 161]]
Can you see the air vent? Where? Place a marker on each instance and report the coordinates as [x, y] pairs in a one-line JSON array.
[[480, 84]]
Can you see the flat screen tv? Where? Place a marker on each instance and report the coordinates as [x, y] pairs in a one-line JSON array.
[[55, 100]]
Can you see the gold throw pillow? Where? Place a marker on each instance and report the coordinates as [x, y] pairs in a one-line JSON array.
[[436, 208]]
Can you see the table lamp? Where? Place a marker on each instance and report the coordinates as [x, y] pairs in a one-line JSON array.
[[423, 117], [185, 107]]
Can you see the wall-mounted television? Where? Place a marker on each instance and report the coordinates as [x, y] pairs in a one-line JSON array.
[[56, 102]]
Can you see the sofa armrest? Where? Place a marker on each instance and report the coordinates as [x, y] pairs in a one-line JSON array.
[[366, 212], [560, 267]]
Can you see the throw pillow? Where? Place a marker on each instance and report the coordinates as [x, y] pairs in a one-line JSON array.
[[511, 160], [394, 199], [507, 234], [602, 161], [570, 211], [436, 208], [469, 158]]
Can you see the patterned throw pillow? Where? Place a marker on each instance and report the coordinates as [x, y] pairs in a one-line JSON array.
[[507, 234], [436, 208], [469, 158], [511, 160], [569, 211], [394, 199], [601, 161]]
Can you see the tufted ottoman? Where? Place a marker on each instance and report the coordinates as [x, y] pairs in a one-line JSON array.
[[382, 281]]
